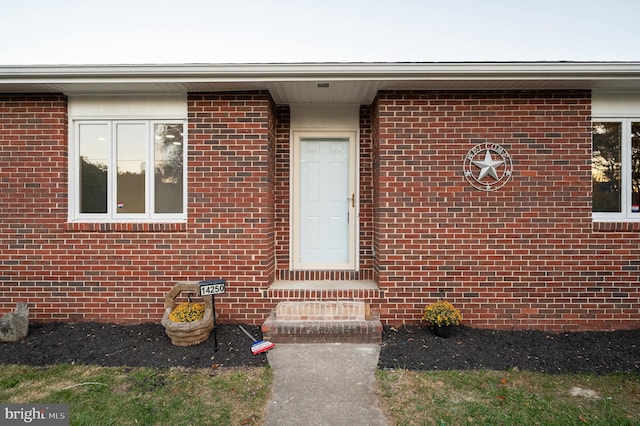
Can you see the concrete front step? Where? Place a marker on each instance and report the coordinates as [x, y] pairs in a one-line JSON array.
[[322, 322]]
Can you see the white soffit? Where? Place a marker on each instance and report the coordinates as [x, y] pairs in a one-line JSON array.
[[105, 106], [322, 117], [319, 83]]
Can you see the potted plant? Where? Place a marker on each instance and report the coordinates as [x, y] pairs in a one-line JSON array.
[[188, 323], [443, 316]]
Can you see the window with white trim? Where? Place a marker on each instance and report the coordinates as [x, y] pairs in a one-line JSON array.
[[128, 170], [615, 165]]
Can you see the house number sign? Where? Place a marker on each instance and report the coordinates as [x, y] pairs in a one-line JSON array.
[[487, 166], [211, 288]]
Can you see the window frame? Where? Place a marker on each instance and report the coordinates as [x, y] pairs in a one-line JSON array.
[[111, 216], [625, 214]]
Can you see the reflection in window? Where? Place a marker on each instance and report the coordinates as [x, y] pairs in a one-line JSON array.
[[606, 166], [131, 157], [94, 154], [168, 177]]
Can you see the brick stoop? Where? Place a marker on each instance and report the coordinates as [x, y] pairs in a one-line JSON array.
[[322, 322]]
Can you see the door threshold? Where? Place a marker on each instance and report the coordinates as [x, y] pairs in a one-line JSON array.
[[324, 285]]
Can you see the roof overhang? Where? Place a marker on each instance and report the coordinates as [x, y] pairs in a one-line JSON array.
[[355, 83]]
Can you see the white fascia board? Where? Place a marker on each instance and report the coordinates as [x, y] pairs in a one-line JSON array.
[[325, 71]]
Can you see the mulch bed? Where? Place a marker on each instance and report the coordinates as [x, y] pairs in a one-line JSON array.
[[409, 347], [417, 348]]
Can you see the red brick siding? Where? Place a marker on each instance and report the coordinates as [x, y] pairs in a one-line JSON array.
[[366, 192], [121, 272], [525, 256], [282, 188], [377, 208], [33, 204]]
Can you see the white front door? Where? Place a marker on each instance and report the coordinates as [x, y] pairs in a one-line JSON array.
[[325, 201]]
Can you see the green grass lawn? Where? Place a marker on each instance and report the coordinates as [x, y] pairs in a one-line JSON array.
[[509, 398], [142, 396], [147, 396]]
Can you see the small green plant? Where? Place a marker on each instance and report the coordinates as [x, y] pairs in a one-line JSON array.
[[187, 312], [442, 313]]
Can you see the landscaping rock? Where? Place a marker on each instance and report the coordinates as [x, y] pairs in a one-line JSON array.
[[14, 326]]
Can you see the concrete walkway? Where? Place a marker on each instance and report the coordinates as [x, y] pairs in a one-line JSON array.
[[324, 384]]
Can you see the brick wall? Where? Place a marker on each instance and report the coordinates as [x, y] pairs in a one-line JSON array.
[[525, 256], [33, 204], [121, 272], [282, 188], [231, 201], [366, 192]]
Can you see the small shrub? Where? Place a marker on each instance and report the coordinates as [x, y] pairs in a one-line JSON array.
[[442, 313]]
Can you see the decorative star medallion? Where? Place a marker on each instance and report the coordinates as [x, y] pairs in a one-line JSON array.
[[487, 166]]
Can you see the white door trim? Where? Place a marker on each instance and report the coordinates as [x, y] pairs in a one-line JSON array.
[[353, 227]]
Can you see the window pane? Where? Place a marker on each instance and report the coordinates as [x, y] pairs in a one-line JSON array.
[[606, 166], [168, 154], [635, 168], [94, 154], [131, 146]]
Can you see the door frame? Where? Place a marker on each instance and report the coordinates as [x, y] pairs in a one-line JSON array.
[[354, 212]]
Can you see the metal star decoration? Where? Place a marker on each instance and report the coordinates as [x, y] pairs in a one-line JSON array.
[[488, 166]]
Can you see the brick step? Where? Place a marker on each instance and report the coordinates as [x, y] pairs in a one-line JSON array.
[[322, 322]]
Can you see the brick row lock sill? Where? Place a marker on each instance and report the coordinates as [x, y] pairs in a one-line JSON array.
[[125, 227], [182, 227], [615, 226], [323, 290]]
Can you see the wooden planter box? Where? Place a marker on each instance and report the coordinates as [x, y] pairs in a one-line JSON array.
[[187, 333]]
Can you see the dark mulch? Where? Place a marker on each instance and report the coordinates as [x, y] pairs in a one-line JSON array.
[[144, 345], [417, 348], [410, 347]]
